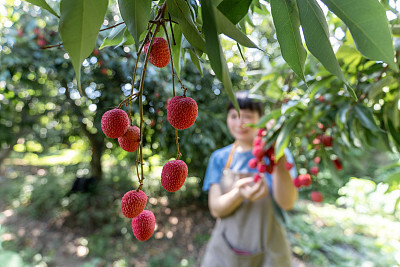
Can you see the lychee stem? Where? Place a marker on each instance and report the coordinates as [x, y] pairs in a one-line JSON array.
[[178, 154]]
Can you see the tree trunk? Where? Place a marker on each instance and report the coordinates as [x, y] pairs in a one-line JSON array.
[[97, 151]]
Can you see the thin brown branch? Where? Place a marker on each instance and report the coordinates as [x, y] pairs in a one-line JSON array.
[[112, 26]]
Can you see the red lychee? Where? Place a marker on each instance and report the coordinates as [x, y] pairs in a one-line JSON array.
[[258, 141], [338, 164], [159, 53], [133, 203], [262, 167], [314, 170], [262, 132], [316, 196], [181, 112], [288, 165], [305, 179], [253, 163], [317, 160], [257, 177], [130, 140], [143, 225], [258, 152], [327, 140], [114, 123], [173, 175], [96, 52], [297, 182]]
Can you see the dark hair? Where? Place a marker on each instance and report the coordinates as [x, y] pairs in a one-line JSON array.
[[248, 101]]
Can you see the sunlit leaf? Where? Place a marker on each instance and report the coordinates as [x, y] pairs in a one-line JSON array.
[[79, 26], [284, 136], [366, 118], [369, 27], [136, 14], [234, 10], [287, 24]]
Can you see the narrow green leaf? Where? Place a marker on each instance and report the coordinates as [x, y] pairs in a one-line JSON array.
[[274, 114], [115, 37], [234, 10], [284, 136], [196, 61], [214, 50], [176, 49], [79, 26], [136, 14], [393, 132], [43, 4], [316, 34], [226, 27], [287, 24], [180, 13], [366, 118], [369, 27]]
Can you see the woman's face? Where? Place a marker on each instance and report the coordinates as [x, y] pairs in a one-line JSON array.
[[237, 126]]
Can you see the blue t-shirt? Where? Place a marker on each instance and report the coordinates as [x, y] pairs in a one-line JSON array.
[[218, 159]]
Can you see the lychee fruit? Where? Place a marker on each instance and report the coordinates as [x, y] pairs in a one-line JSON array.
[[305, 179], [338, 164], [253, 163], [262, 132], [327, 140], [114, 123], [143, 225], [316, 196], [314, 170], [258, 141], [317, 160], [130, 140], [262, 167], [257, 177], [133, 203], [297, 182], [173, 175], [182, 112], [288, 165], [159, 53], [258, 152]]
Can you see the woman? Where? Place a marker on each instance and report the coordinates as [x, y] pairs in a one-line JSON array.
[[247, 231]]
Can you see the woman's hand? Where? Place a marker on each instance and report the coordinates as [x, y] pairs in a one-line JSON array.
[[251, 191]]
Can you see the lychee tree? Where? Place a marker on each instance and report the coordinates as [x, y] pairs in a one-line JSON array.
[[195, 27]]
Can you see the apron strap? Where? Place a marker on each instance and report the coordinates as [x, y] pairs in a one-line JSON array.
[[228, 163]]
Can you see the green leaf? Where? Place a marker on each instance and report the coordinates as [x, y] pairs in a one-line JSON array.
[[341, 116], [176, 49], [226, 27], [234, 10], [116, 36], [196, 61], [11, 259], [369, 27], [274, 114], [214, 50], [136, 14], [376, 88], [316, 34], [180, 13], [79, 26], [43, 4], [366, 118], [284, 136], [287, 23]]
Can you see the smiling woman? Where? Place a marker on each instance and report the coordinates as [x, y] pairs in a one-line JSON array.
[[247, 233]]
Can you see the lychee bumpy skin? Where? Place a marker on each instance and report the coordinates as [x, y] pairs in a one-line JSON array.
[[133, 203], [130, 140], [159, 53], [143, 225], [182, 112], [173, 175], [114, 123]]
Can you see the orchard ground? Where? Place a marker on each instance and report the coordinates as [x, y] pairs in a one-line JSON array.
[[41, 226]]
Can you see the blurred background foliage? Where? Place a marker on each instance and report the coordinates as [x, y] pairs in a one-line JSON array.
[[49, 136]]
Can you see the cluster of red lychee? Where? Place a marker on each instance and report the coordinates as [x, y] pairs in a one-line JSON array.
[[259, 152], [115, 124], [181, 114]]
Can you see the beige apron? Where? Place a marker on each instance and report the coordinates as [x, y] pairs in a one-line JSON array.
[[249, 237]]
